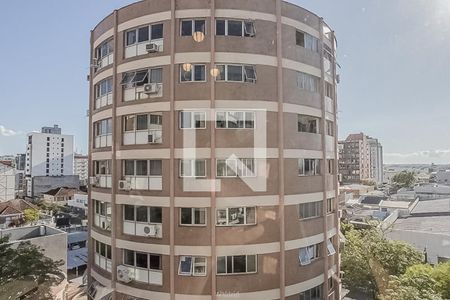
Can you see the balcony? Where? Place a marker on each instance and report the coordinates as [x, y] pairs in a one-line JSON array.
[[146, 183], [141, 137], [103, 181], [152, 230]]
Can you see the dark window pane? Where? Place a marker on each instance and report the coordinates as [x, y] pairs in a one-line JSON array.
[[157, 31], [156, 75], [129, 167], [186, 28], [221, 266], [128, 257], [234, 28], [220, 27], [239, 264], [186, 215], [155, 167], [155, 262], [199, 73], [131, 37], [156, 214], [129, 212], [142, 122], [143, 34], [141, 168], [141, 260], [234, 73], [141, 214], [300, 38], [229, 264], [108, 252], [102, 249], [199, 26]]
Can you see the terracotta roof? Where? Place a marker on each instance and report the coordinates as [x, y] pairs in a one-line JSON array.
[[15, 206], [62, 191]]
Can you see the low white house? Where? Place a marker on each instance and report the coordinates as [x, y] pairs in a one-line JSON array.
[[7, 183]]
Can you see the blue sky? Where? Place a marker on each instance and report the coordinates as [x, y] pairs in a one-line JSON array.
[[394, 57]]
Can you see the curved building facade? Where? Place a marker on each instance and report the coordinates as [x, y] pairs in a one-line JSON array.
[[213, 152]]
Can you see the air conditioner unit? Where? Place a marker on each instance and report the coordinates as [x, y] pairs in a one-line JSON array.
[[124, 274], [93, 180], [151, 230], [124, 185], [106, 224], [151, 88], [151, 48]]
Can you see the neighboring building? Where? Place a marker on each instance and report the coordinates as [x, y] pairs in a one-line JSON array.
[[61, 195], [20, 162], [38, 185], [81, 164], [77, 251], [49, 153], [8, 160], [54, 244], [360, 159], [443, 177], [427, 228], [79, 201], [161, 232], [7, 183], [11, 213]]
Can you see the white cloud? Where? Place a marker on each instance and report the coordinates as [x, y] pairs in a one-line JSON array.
[[440, 156], [8, 132]]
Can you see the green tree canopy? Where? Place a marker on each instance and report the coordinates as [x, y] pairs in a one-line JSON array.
[[404, 179], [30, 215], [369, 259], [26, 263]]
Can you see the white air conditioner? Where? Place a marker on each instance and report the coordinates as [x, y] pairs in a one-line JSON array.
[[124, 185], [151, 230], [93, 180], [124, 274], [151, 88], [151, 48]]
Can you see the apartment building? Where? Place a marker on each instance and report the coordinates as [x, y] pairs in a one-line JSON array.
[[7, 182], [49, 154], [360, 159], [213, 155], [81, 163]]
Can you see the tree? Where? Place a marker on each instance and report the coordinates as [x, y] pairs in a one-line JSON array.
[[27, 263], [441, 273], [369, 259], [404, 179], [30, 215]]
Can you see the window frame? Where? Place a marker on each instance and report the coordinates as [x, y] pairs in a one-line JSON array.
[[244, 32], [313, 252], [309, 118], [192, 212], [149, 169], [191, 118], [227, 118], [148, 260], [192, 72], [193, 168], [136, 32], [316, 167], [304, 81], [227, 216], [192, 26], [149, 214], [244, 73], [239, 168], [226, 257], [311, 45], [98, 87], [318, 208], [193, 263]]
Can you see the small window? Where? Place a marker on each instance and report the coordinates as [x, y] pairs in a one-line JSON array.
[[192, 119], [330, 128], [308, 254], [307, 82], [234, 28], [188, 27], [308, 167], [157, 31], [190, 73], [310, 210], [307, 41], [330, 205], [192, 168], [249, 28], [235, 216], [143, 34], [236, 264], [250, 73], [235, 119], [330, 247], [131, 37], [234, 73], [141, 122], [308, 124], [192, 266], [192, 216], [220, 27]]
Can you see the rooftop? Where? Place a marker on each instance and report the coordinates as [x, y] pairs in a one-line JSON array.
[[30, 232], [15, 206]]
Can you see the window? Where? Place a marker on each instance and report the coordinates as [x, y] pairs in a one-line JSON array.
[[142, 122], [330, 166], [142, 167], [308, 167], [330, 205], [330, 128], [236, 264], [244, 167], [192, 216], [192, 119], [102, 255], [308, 254], [103, 127], [236, 73], [192, 266], [310, 210], [307, 41], [192, 168], [103, 88], [102, 167], [143, 34], [144, 214], [308, 124], [235, 28], [189, 72], [236, 216], [312, 294], [235, 119], [329, 90], [330, 247], [141, 77], [308, 82], [142, 260], [104, 49], [188, 27]]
